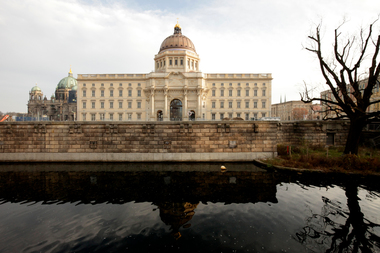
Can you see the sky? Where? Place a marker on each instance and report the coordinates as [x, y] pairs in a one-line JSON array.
[[40, 40]]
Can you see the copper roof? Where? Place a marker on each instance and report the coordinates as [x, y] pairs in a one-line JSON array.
[[177, 41]]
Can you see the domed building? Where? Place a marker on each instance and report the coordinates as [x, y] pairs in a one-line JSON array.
[[61, 107], [176, 91]]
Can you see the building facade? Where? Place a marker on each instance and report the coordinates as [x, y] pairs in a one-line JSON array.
[[61, 106], [175, 91], [327, 109], [296, 110]]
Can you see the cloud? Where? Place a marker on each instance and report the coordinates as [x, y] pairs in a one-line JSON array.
[[41, 39]]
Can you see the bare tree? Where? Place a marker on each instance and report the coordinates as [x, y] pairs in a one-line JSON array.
[[350, 93]]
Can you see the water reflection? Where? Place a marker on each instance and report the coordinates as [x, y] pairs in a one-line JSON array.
[[340, 227], [147, 208]]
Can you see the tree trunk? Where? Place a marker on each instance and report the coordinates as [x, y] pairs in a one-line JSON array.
[[353, 138]]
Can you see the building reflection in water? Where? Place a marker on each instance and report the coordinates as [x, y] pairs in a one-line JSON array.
[[177, 215], [175, 193]]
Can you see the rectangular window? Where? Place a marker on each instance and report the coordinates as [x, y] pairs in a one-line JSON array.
[[129, 93], [181, 62], [93, 105], [263, 93], [120, 93], [170, 62], [129, 116], [230, 115], [138, 105], [222, 93], [120, 116], [255, 93], [102, 105], [213, 93], [222, 116], [139, 116], [93, 93], [247, 116], [247, 93], [238, 104], [212, 116], [111, 116], [176, 62], [255, 115], [92, 116], [238, 115], [139, 93], [120, 104], [230, 93], [84, 93], [102, 93], [263, 105], [84, 116], [111, 93], [222, 104], [213, 104], [102, 116], [84, 105], [263, 114], [254, 104], [238, 93], [247, 104], [129, 105], [111, 104], [230, 104]]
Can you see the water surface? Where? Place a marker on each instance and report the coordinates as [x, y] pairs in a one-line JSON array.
[[184, 208]]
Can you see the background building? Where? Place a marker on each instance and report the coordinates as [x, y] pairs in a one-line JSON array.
[[60, 107], [327, 108], [176, 90], [296, 110]]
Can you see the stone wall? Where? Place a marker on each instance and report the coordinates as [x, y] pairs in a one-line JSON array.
[[157, 141], [312, 132]]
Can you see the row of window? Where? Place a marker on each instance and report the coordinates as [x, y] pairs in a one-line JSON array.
[[238, 115], [230, 84], [190, 63], [111, 94], [111, 84], [111, 105], [238, 104], [238, 93], [102, 116]]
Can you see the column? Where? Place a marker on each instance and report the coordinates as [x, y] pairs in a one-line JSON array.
[[166, 118]]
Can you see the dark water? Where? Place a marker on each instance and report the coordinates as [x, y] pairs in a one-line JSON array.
[[184, 208]]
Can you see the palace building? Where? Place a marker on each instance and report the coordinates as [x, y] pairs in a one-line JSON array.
[[176, 91]]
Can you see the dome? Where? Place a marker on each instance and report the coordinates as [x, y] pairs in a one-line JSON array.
[[75, 88], [35, 88], [177, 41], [68, 82]]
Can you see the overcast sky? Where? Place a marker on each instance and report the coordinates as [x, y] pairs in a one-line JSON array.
[[40, 40]]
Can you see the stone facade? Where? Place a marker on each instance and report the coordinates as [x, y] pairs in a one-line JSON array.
[[176, 91], [159, 141]]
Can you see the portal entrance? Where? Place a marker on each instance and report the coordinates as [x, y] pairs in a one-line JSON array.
[[176, 110], [159, 116]]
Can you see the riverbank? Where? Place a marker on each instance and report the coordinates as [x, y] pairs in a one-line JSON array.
[[323, 160]]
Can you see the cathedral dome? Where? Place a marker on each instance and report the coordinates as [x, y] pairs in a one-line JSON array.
[[68, 82], [177, 41], [35, 88]]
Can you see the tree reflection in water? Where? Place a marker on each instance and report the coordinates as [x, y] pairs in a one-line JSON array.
[[340, 228]]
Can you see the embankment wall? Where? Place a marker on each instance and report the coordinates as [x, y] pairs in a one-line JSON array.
[[157, 141]]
